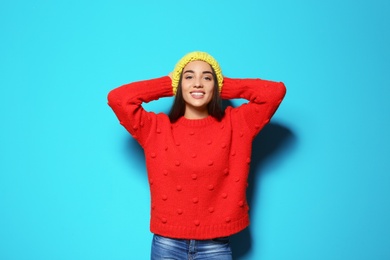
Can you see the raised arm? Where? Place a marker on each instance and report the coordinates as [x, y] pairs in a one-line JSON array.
[[264, 98], [126, 102]]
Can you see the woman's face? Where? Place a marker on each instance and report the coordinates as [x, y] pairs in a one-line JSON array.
[[197, 88]]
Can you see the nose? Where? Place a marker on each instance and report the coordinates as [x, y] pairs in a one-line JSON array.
[[198, 83]]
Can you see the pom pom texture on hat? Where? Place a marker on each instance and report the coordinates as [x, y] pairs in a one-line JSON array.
[[193, 56]]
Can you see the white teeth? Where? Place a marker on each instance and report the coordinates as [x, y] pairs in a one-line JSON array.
[[197, 93]]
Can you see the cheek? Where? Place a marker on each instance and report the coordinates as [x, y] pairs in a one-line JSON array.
[[185, 86], [211, 88], [211, 93]]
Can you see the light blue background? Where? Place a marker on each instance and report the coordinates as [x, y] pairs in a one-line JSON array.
[[73, 183]]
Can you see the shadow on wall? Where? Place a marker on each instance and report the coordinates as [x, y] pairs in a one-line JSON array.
[[272, 140]]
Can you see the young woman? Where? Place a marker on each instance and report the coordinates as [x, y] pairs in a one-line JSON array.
[[198, 156]]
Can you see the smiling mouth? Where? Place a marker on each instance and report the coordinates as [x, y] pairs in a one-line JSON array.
[[197, 94]]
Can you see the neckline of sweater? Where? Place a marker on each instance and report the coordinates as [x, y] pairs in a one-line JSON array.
[[196, 122]]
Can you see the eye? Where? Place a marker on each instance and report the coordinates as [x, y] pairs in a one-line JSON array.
[[208, 78], [188, 77]]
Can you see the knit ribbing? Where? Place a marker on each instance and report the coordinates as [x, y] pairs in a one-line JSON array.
[[196, 122]]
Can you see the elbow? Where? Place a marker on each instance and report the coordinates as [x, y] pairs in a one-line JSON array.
[[281, 91], [112, 98]]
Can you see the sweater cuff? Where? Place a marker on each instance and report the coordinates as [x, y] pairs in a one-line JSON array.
[[230, 88], [165, 84], [153, 89]]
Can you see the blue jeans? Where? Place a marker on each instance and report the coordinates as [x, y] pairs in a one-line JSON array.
[[181, 249]]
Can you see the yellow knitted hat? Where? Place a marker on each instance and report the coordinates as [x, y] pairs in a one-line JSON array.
[[192, 56]]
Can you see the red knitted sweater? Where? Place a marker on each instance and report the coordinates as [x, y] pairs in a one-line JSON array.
[[197, 169]]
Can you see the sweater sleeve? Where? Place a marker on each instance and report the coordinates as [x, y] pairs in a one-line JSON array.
[[126, 102], [264, 98]]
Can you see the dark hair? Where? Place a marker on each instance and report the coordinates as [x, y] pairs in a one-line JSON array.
[[214, 107]]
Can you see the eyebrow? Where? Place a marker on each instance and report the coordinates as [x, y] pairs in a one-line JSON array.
[[204, 72]]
